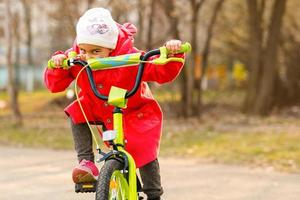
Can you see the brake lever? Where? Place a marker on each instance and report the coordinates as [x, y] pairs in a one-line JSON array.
[[163, 58]]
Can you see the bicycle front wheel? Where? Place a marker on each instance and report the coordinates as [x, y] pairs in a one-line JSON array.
[[112, 184]]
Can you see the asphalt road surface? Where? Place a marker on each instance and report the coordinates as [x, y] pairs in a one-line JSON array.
[[30, 174]]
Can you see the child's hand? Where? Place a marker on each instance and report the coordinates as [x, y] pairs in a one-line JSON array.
[[58, 60], [173, 46], [82, 57]]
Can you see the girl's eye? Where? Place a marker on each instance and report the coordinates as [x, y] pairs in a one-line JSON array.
[[82, 51], [95, 51]]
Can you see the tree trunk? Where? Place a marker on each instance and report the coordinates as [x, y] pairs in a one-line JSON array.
[[265, 100], [290, 84], [150, 26], [16, 29], [206, 52], [27, 12], [12, 91], [71, 9], [90, 3], [255, 14], [188, 87], [141, 10], [170, 10]]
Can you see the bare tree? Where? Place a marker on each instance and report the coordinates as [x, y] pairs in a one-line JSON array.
[[62, 23], [255, 13], [12, 91], [169, 8], [90, 3], [290, 73], [150, 25], [141, 9], [28, 19], [28, 12], [270, 71], [120, 10], [72, 14], [263, 59], [17, 37], [188, 87], [205, 53]]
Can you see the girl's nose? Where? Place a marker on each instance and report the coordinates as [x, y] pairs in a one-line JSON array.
[[89, 56]]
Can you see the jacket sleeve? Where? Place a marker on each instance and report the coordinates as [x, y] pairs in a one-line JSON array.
[[163, 73], [58, 79]]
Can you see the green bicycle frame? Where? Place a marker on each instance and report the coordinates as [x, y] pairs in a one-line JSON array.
[[119, 140], [117, 99]]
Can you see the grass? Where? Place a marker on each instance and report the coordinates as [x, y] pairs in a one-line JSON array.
[[30, 101], [222, 135], [278, 151], [42, 138]]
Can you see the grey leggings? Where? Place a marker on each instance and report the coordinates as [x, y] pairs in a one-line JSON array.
[[150, 172]]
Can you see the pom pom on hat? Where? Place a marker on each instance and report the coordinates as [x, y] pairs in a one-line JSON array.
[[97, 27], [131, 28]]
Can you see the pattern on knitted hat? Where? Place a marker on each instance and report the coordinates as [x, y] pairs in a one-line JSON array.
[[97, 27]]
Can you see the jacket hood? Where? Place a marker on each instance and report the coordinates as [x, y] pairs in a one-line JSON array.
[[125, 40]]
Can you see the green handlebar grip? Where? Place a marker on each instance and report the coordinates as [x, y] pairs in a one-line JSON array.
[[186, 47], [51, 64], [71, 54]]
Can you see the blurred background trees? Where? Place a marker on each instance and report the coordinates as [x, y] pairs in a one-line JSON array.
[[250, 46]]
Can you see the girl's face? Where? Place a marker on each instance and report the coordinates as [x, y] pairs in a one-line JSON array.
[[94, 51]]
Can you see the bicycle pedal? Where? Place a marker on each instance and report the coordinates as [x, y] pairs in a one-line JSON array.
[[85, 187]]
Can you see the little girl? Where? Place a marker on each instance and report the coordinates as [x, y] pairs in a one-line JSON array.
[[99, 36]]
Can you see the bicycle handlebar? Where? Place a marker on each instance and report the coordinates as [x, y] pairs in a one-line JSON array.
[[124, 60]]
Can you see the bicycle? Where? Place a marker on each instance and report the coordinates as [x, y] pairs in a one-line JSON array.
[[118, 179]]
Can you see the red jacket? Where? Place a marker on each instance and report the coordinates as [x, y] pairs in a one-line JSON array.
[[142, 117]]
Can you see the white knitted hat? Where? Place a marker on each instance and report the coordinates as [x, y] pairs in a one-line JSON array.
[[97, 27]]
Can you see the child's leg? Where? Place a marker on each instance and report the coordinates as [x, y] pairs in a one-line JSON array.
[[83, 141], [150, 175], [86, 171]]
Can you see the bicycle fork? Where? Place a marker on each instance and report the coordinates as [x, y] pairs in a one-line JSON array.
[[119, 141]]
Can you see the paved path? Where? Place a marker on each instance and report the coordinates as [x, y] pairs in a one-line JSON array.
[[45, 175]]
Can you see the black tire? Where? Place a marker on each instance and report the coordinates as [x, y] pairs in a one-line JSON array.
[[103, 186]]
